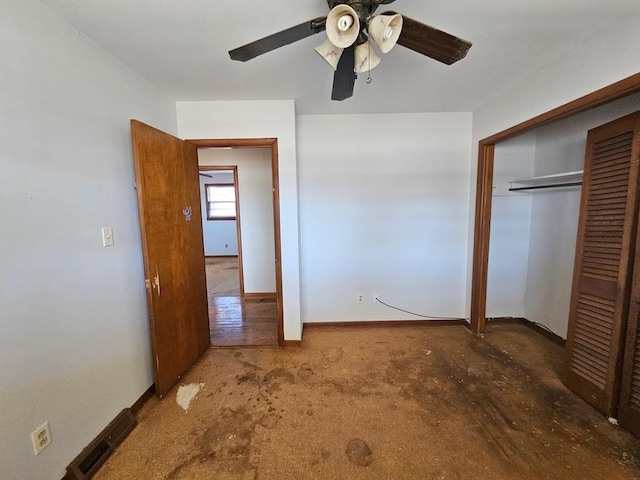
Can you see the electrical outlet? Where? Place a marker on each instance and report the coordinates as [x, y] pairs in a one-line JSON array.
[[41, 438], [361, 298], [376, 296]]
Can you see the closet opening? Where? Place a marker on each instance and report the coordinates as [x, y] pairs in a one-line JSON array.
[[485, 174]]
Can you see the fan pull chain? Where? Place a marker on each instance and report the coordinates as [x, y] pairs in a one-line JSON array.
[[369, 79]]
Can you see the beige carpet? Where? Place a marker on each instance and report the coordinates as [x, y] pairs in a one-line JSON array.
[[429, 403]]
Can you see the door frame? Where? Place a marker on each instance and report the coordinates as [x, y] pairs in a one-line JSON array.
[[271, 143], [484, 185]]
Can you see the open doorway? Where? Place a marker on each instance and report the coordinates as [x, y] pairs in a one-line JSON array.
[[238, 213]]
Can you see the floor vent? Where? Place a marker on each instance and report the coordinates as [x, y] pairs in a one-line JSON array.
[[85, 465]]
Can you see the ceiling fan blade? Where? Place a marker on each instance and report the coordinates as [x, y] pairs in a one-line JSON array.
[[344, 78], [430, 41], [279, 39]]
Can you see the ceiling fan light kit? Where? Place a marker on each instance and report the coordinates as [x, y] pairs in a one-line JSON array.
[[343, 26], [349, 25], [330, 53], [385, 31], [366, 58]]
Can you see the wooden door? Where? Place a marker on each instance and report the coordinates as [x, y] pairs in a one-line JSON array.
[[171, 225], [604, 254], [629, 413]]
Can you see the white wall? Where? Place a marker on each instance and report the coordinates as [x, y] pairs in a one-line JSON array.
[[255, 192], [220, 236], [74, 347], [383, 208], [261, 119], [608, 56], [510, 222], [560, 147]]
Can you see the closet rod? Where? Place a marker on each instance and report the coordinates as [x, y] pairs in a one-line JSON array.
[[538, 187]]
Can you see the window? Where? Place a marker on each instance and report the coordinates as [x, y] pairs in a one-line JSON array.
[[221, 201]]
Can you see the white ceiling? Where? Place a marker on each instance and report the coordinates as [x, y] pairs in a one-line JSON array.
[[181, 47]]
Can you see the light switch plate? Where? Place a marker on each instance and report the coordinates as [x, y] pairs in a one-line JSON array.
[[107, 237]]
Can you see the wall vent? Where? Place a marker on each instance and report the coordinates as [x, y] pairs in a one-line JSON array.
[[85, 465]]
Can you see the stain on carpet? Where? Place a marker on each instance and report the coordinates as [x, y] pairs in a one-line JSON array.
[[359, 452]]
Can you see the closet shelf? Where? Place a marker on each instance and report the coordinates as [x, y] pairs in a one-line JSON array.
[[556, 180]]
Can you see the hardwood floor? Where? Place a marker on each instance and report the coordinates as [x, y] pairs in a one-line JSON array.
[[233, 321]]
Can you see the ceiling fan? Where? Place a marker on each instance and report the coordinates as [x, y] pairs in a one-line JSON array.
[[349, 26]]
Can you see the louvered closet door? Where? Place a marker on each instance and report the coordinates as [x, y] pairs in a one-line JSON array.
[[629, 414], [602, 270]]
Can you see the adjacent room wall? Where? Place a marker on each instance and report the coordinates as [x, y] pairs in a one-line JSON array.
[[261, 119], [74, 347], [383, 209], [256, 212], [220, 236]]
